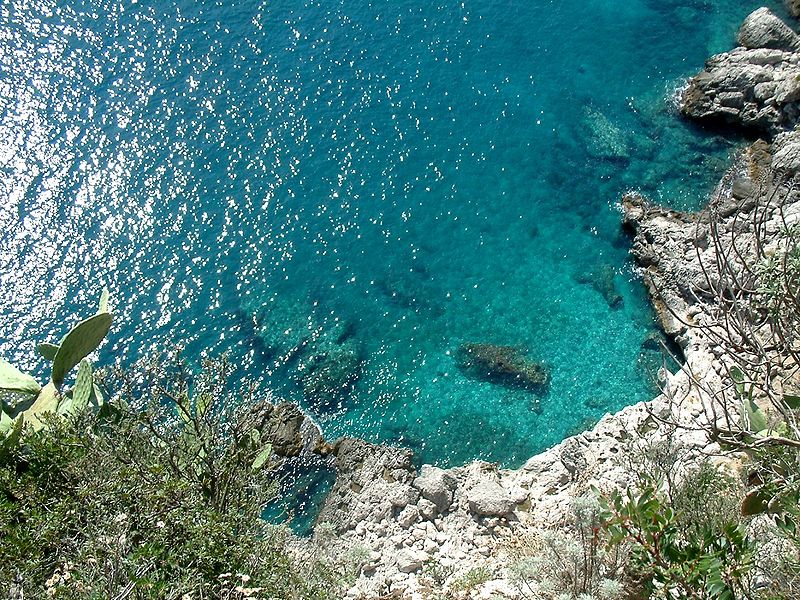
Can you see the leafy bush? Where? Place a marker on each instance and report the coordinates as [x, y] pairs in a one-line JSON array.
[[573, 561], [682, 556], [160, 498]]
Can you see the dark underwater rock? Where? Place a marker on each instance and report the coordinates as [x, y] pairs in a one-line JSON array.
[[329, 374], [503, 365], [602, 280]]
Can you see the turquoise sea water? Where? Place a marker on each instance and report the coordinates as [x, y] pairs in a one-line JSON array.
[[381, 181]]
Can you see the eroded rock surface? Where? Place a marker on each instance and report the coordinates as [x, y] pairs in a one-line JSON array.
[[763, 29], [290, 431], [756, 85]]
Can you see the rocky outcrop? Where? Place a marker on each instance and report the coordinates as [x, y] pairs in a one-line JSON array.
[[456, 519], [290, 431], [762, 29], [658, 236], [756, 85], [373, 483]]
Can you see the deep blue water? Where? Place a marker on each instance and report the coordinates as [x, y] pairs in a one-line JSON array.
[[383, 181]]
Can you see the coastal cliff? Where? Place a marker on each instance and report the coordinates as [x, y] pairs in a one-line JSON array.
[[416, 522]]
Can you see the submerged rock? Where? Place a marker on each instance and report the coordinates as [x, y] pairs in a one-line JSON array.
[[503, 365], [605, 140], [328, 375], [602, 280]]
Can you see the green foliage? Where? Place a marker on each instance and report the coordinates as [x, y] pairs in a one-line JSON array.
[[33, 401], [9, 438], [47, 350], [706, 498], [471, 580], [92, 507], [701, 562], [84, 386], [82, 340], [571, 562]]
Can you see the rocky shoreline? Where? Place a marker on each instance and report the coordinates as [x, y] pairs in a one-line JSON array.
[[423, 528]]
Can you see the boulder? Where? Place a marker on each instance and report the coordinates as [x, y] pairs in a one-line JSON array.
[[756, 88], [487, 498], [786, 157], [408, 516], [410, 560], [437, 486], [762, 29]]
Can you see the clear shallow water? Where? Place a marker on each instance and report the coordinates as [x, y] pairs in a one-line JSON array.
[[408, 177]]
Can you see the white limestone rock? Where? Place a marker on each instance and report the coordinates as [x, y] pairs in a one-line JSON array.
[[762, 29], [489, 498], [436, 485]]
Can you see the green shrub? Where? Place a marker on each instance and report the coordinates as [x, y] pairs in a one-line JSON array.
[[160, 498], [681, 557], [571, 562]]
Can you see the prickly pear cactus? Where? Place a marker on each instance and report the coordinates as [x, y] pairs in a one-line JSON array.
[[81, 341], [47, 351], [33, 401], [84, 386], [46, 402], [14, 380]]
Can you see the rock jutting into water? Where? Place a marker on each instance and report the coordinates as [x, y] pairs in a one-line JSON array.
[[287, 429], [756, 85], [503, 365]]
